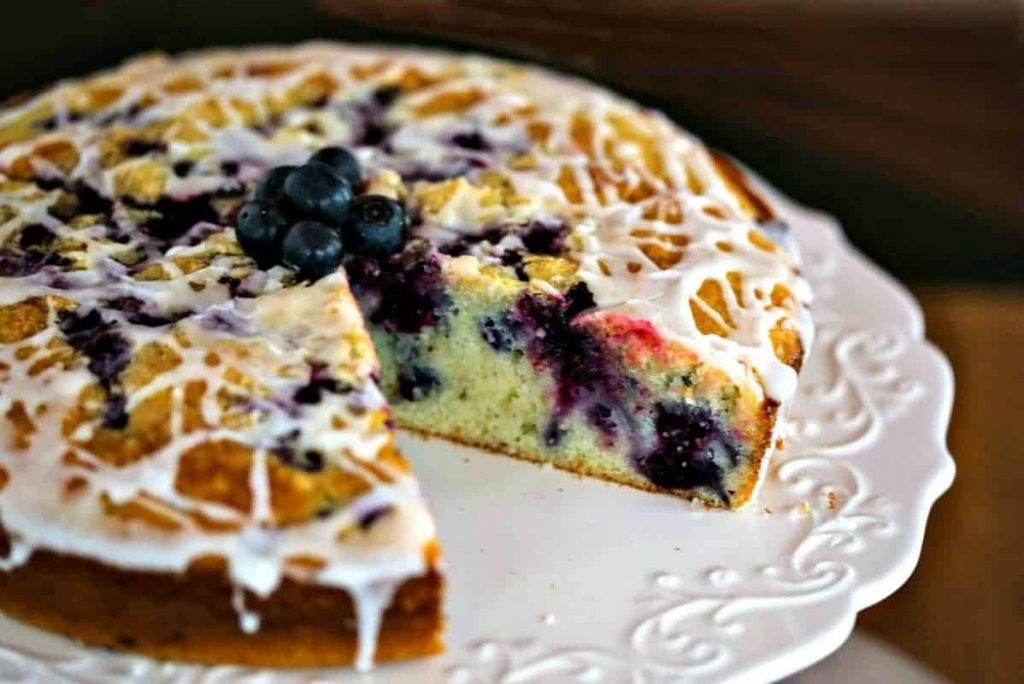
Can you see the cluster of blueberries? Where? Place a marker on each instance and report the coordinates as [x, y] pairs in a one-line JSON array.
[[305, 217]]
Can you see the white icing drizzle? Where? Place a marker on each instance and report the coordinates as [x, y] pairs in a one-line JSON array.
[[632, 187], [373, 600], [248, 621]]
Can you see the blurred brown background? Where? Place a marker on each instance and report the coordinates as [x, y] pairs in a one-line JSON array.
[[905, 119]]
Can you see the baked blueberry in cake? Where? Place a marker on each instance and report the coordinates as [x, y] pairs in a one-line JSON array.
[[225, 276]]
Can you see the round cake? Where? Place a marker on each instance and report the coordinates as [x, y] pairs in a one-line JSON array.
[[225, 277]]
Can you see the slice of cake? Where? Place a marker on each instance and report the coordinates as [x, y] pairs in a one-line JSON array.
[[584, 285], [196, 461], [196, 458]]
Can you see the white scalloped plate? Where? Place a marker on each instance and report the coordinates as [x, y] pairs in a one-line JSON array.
[[560, 579]]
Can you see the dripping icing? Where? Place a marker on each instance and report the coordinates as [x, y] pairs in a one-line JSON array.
[[611, 262]]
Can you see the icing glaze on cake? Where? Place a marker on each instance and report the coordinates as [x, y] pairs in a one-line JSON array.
[[559, 205]]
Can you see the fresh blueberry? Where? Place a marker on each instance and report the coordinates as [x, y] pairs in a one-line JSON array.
[[271, 188], [313, 249], [317, 191], [261, 227], [376, 226], [343, 162]]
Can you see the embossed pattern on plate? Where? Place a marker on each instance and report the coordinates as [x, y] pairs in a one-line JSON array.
[[560, 579]]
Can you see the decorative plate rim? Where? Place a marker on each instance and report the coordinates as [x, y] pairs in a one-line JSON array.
[[868, 594]]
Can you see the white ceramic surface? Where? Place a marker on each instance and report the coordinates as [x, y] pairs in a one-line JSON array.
[[559, 579]]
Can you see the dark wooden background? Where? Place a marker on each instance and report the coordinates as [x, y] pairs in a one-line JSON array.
[[904, 118]]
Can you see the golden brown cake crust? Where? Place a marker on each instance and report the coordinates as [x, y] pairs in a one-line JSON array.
[[119, 436], [189, 616]]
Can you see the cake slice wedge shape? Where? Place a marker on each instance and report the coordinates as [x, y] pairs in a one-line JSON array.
[[196, 462]]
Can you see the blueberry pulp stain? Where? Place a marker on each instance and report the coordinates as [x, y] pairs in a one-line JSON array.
[[231, 188], [309, 461], [412, 172], [417, 382], [51, 122], [175, 217], [225, 321], [183, 168], [313, 391], [553, 434], [18, 264], [115, 413], [86, 200], [471, 140], [139, 148], [386, 96], [108, 353], [237, 287], [689, 442], [140, 312], [544, 237], [514, 260], [367, 519], [172, 221], [587, 377], [35, 249], [404, 292], [464, 243], [688, 438], [371, 118], [309, 394], [501, 331], [36, 236]]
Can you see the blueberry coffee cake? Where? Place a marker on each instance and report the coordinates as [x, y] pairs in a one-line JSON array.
[[222, 276]]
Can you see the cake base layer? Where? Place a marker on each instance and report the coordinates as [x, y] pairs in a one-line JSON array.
[[189, 616]]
